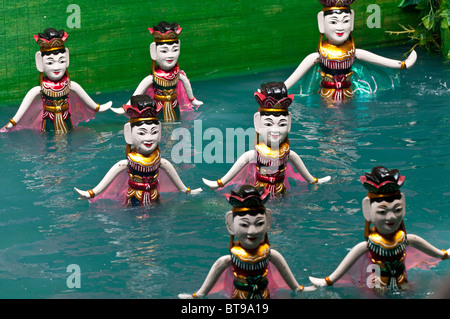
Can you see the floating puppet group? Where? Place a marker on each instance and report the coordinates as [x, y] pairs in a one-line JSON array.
[[252, 269]]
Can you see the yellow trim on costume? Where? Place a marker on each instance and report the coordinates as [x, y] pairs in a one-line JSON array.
[[375, 195], [44, 49], [334, 52], [388, 242], [140, 119], [267, 152], [334, 8], [259, 254], [145, 160]]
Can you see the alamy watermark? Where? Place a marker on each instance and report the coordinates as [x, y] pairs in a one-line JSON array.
[[374, 19], [74, 19], [210, 145], [74, 279]]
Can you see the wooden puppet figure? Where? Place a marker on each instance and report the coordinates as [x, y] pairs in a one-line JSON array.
[[252, 270], [269, 163], [58, 103], [139, 179], [336, 52], [387, 245], [167, 84]]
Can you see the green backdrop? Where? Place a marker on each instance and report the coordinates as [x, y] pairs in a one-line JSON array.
[[110, 49]]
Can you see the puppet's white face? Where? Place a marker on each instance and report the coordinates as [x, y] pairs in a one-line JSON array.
[[337, 27], [273, 130], [55, 66], [167, 55], [250, 230], [146, 137], [387, 216]]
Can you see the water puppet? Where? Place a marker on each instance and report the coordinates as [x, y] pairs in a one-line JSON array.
[[337, 52], [139, 179], [268, 164], [387, 247], [167, 84], [252, 270], [57, 104]]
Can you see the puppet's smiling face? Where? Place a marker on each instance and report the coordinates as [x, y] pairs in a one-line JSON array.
[[55, 66]]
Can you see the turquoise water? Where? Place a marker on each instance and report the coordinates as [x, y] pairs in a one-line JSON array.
[[161, 251]]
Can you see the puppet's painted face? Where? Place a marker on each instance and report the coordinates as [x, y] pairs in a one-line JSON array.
[[146, 137], [250, 230], [273, 130], [55, 66], [337, 27], [167, 55], [387, 216]]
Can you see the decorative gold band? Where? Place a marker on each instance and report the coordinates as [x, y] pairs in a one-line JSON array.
[[140, 119], [219, 182], [263, 109], [97, 108], [315, 181], [188, 190], [91, 193], [247, 209], [445, 254], [328, 281], [334, 8], [171, 97], [403, 65], [56, 109], [43, 49], [374, 195], [166, 40], [12, 122]]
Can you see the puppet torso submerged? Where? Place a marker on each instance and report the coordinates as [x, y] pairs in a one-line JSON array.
[[55, 102], [271, 166], [165, 91], [250, 272], [143, 178], [388, 252], [335, 64]]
